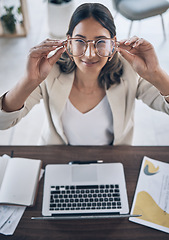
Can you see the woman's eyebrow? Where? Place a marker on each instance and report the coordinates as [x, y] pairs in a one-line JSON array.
[[97, 37], [101, 37], [79, 35]]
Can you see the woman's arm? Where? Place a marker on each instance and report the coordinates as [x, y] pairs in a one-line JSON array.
[[142, 57], [38, 68]]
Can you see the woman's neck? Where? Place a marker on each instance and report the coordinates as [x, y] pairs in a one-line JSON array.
[[85, 82]]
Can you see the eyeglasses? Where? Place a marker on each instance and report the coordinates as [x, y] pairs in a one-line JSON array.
[[76, 47]]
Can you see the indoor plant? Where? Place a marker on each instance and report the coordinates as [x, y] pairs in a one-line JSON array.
[[8, 20], [59, 14]]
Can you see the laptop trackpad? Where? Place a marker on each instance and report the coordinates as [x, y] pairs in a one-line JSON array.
[[84, 173]]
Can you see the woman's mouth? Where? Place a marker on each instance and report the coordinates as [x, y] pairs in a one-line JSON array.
[[89, 63]]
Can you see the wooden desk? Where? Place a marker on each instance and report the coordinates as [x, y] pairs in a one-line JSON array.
[[100, 229]]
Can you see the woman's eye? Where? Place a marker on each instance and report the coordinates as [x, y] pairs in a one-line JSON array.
[[79, 41], [101, 41]]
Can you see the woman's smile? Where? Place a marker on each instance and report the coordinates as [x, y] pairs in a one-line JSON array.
[[89, 63]]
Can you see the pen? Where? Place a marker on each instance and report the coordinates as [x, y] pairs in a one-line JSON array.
[[86, 162]]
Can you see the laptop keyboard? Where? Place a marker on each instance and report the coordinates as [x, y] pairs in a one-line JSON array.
[[85, 197]]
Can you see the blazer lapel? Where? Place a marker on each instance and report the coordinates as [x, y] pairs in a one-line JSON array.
[[116, 98]]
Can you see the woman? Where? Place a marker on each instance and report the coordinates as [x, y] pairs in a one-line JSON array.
[[89, 93]]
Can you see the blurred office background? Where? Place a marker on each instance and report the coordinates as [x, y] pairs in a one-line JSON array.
[[151, 127]]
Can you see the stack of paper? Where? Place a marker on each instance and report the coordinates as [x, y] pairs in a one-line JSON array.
[[151, 198], [16, 176], [19, 179]]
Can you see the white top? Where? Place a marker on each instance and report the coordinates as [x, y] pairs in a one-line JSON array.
[[92, 128]]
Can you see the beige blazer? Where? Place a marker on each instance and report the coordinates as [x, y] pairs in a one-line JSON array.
[[55, 91]]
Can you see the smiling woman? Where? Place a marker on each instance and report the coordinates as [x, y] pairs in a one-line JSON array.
[[100, 24], [89, 85]]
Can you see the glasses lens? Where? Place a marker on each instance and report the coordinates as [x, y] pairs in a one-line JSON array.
[[105, 47], [76, 47]]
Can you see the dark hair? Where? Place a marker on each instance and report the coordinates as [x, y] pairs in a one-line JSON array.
[[113, 69]]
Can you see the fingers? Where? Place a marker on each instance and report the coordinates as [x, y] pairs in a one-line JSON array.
[[39, 62], [132, 47], [140, 54], [131, 43], [55, 57], [131, 40], [126, 47], [44, 48]]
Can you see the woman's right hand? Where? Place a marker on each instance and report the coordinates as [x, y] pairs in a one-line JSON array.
[[39, 64], [38, 68]]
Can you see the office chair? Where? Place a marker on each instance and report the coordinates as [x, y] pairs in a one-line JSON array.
[[141, 9]]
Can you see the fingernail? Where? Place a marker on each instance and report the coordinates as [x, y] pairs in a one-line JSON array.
[[117, 44], [135, 44]]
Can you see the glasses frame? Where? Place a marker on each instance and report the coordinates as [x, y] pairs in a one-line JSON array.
[[94, 43]]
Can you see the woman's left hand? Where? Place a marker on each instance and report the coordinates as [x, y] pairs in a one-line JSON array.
[[141, 55]]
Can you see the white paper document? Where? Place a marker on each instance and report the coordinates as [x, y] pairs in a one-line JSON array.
[[151, 198], [10, 217]]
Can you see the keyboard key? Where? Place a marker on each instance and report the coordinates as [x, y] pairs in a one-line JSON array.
[[55, 192], [52, 205], [116, 199], [116, 195], [87, 187]]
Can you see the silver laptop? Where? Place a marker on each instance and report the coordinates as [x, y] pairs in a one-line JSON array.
[[84, 191]]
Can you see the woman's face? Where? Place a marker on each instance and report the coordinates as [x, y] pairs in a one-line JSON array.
[[90, 29]]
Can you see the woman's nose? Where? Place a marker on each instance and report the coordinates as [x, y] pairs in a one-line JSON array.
[[90, 51]]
